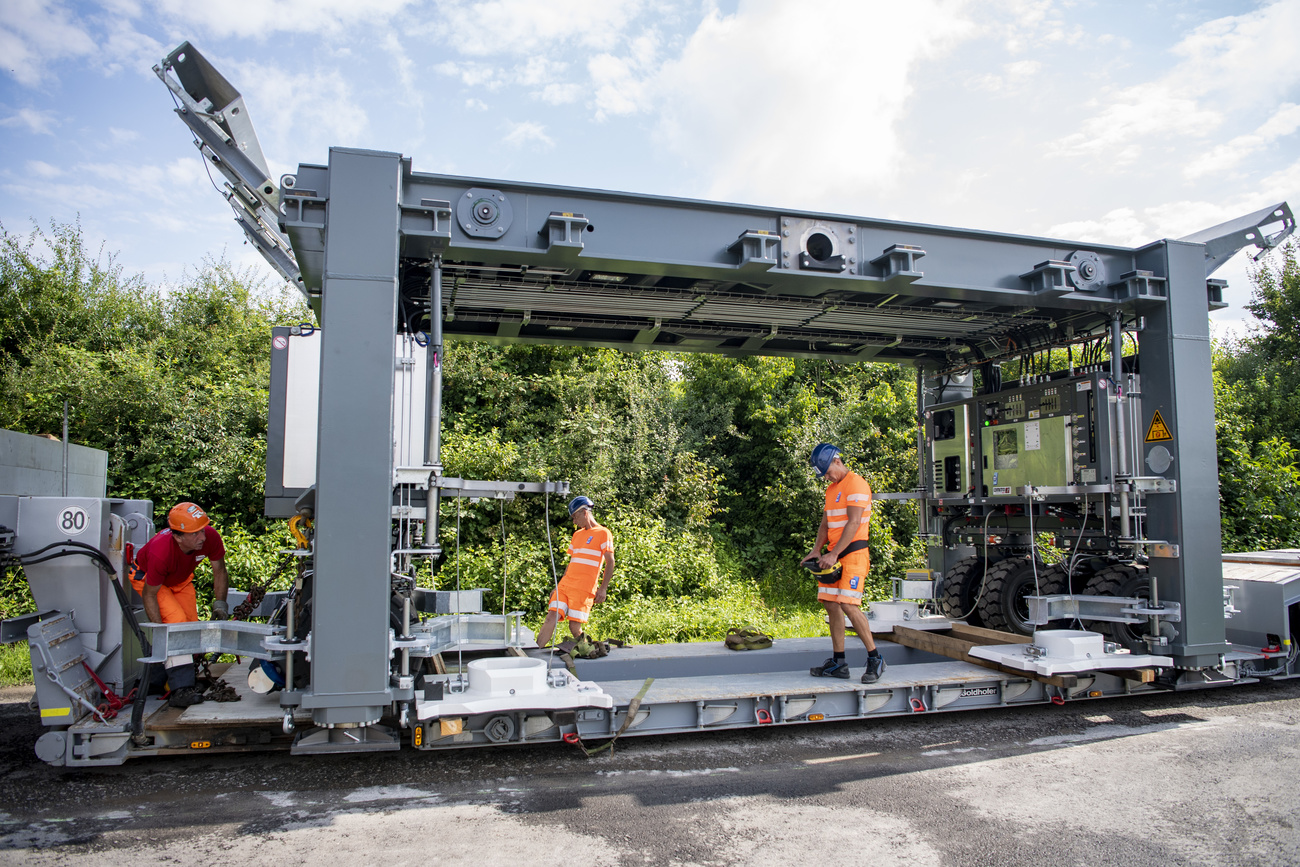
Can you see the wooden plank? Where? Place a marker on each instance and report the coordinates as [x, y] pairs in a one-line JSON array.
[[988, 636], [959, 649], [1137, 675], [516, 651], [439, 666]]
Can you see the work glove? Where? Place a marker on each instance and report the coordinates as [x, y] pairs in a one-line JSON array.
[[220, 610]]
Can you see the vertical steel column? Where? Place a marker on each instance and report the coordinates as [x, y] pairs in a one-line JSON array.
[[354, 463], [433, 370], [433, 404], [1177, 382]]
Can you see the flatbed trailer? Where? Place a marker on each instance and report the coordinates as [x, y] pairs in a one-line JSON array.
[[1114, 454]]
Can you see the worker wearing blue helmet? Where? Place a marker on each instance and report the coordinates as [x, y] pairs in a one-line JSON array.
[[586, 579], [845, 562]]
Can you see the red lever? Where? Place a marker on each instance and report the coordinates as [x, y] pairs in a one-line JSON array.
[[764, 717], [918, 706], [572, 738]]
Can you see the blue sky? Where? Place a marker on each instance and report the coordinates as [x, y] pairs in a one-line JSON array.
[[1117, 122]]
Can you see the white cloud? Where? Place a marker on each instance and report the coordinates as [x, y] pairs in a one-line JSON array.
[[42, 169], [1153, 109], [523, 133], [476, 104], [33, 120], [779, 104], [560, 94], [259, 19], [1223, 58], [473, 74], [34, 33], [405, 69], [1283, 122], [486, 27], [123, 136], [300, 113], [1132, 227]]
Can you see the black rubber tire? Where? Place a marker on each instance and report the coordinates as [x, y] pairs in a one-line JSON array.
[[961, 586], [1003, 606], [1121, 579]]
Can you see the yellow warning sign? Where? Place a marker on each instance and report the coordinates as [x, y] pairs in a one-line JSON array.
[[1158, 430]]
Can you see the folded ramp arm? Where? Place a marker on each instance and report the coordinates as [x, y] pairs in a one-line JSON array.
[[223, 132]]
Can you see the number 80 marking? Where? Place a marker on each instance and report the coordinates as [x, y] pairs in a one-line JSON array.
[[72, 521]]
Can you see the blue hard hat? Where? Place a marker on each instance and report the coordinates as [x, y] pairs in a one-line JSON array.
[[821, 458], [580, 503]]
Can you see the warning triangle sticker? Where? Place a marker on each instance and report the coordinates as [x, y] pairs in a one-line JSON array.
[[1158, 430]]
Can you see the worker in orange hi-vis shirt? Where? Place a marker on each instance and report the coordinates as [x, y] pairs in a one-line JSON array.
[[843, 533], [590, 551]]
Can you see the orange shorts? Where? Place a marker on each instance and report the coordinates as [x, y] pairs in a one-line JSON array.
[[852, 581], [177, 604], [573, 603]]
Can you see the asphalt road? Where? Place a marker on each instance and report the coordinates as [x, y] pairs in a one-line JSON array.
[[1190, 778]]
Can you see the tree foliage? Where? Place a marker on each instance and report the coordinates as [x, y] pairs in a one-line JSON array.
[[171, 381], [1257, 416]]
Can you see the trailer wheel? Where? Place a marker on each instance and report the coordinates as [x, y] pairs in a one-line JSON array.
[[1004, 605], [961, 588], [1120, 580]]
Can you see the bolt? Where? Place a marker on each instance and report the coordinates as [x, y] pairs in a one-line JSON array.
[[853, 240], [785, 223], [786, 233]]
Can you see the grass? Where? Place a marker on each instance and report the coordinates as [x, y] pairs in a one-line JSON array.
[[15, 664]]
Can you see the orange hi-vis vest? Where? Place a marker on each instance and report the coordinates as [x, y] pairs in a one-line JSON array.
[[852, 490], [586, 555]]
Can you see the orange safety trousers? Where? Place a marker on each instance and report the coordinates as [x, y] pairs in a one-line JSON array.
[[177, 604], [853, 578]]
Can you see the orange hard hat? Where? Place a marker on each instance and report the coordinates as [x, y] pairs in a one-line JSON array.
[[187, 518]]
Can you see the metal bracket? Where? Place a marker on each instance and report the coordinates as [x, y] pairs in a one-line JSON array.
[[1165, 549], [425, 478], [563, 231], [425, 229], [212, 636], [1112, 609], [758, 249], [1154, 485], [899, 260], [1052, 276], [1140, 285], [1214, 287]]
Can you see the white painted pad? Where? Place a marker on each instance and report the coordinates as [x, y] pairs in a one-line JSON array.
[[1014, 656]]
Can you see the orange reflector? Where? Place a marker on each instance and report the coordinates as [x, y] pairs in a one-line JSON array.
[[1096, 693], [816, 717], [417, 736], [200, 745]]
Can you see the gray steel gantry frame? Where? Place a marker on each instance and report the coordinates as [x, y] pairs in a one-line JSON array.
[[556, 265], [544, 264]]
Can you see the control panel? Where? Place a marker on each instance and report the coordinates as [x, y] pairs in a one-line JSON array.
[[1055, 433]]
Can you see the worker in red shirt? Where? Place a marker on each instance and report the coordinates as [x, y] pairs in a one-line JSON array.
[[163, 575], [843, 533], [590, 551]]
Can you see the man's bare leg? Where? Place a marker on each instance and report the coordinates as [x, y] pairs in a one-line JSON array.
[[835, 614], [548, 628], [861, 624]]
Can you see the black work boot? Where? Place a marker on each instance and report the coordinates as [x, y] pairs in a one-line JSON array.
[[185, 697]]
